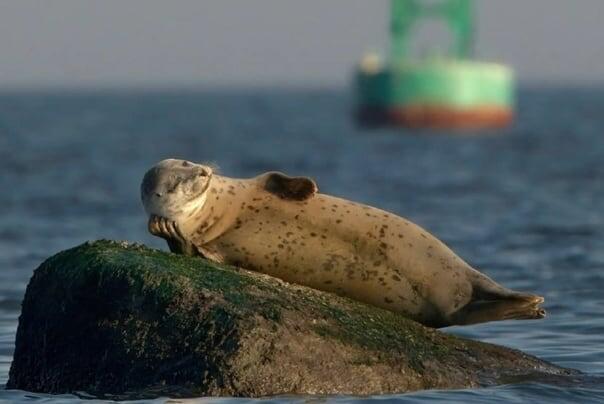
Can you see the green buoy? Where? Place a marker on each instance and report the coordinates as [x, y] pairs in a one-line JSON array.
[[435, 92]]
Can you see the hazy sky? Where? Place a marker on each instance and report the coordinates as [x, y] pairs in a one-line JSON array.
[[259, 42]]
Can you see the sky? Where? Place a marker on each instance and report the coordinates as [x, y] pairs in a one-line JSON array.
[[78, 43]]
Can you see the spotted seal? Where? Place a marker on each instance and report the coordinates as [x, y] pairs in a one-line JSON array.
[[282, 226]]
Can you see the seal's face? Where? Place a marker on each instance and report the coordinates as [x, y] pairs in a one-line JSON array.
[[173, 187]]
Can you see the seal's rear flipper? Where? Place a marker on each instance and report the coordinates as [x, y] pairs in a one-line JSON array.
[[517, 306], [292, 188]]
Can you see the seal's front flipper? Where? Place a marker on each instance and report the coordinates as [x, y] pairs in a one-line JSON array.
[[482, 311], [169, 231], [291, 188]]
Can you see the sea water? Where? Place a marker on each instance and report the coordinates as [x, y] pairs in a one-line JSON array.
[[524, 204]]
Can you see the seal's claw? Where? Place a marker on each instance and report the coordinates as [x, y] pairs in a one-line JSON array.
[[163, 226], [153, 225], [172, 226], [172, 230]]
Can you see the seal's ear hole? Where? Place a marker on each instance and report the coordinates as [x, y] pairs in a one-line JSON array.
[[292, 188]]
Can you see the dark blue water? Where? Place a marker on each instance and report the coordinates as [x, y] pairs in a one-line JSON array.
[[525, 205]]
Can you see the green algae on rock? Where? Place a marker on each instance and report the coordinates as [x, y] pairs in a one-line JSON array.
[[121, 320]]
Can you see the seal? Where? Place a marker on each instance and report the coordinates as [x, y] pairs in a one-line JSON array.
[[282, 226]]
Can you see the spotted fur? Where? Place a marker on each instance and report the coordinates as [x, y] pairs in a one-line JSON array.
[[281, 226]]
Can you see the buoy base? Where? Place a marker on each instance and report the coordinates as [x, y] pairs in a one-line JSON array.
[[431, 117]]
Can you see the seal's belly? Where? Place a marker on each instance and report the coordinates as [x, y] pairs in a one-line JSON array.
[[335, 268], [338, 247]]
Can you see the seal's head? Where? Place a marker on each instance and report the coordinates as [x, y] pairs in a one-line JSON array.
[[174, 187]]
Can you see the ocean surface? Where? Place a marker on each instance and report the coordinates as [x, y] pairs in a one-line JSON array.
[[525, 204]]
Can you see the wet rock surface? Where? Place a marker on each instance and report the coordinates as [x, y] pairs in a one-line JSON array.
[[121, 320]]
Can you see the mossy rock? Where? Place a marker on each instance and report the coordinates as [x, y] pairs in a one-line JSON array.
[[121, 320]]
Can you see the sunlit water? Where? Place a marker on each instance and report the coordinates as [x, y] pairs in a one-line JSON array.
[[525, 205]]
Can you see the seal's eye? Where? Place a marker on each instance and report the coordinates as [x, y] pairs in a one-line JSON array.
[[158, 194], [186, 164]]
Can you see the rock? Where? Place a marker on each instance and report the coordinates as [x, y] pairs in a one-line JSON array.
[[122, 320]]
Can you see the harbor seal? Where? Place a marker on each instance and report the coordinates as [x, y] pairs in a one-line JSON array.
[[282, 226]]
